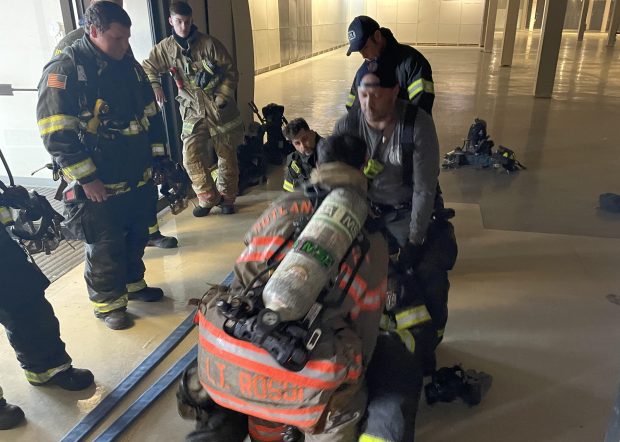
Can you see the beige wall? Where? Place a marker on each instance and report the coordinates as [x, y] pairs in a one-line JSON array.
[[435, 22], [328, 20], [443, 22], [266, 33]]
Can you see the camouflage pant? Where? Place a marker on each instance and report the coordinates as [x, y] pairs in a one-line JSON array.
[[195, 160]]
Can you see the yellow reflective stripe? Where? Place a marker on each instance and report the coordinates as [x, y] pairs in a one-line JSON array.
[[133, 287], [146, 176], [188, 127], [150, 110], [412, 316], [79, 170], [57, 122], [414, 85], [5, 216], [429, 86], [368, 438], [386, 323], [407, 338], [42, 378], [158, 149], [105, 307], [135, 127], [288, 186], [373, 168], [154, 228], [123, 186], [440, 333], [214, 174], [227, 91], [209, 87], [295, 167], [117, 187], [207, 67], [218, 130], [350, 100], [415, 88]]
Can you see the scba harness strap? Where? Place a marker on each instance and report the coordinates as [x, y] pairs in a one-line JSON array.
[[374, 166]]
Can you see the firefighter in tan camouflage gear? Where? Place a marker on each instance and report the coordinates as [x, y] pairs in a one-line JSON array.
[[206, 79]]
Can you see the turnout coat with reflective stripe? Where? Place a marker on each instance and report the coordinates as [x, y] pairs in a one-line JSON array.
[[205, 52], [71, 84], [413, 71], [245, 378]]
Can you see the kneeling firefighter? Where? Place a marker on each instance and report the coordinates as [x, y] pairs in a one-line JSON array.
[[289, 342]]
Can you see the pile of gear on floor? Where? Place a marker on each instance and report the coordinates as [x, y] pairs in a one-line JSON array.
[[478, 150], [255, 153]]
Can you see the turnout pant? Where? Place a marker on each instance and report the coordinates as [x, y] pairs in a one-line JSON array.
[[394, 381], [431, 274], [29, 320], [195, 160], [116, 233]]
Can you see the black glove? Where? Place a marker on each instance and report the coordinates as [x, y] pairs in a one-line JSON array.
[[203, 78], [162, 166], [410, 256]]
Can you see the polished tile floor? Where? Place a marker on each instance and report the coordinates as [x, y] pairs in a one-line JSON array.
[[530, 293]]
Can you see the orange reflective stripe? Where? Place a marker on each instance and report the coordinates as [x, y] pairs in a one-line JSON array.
[[263, 433], [262, 248], [258, 360], [325, 366], [364, 299], [301, 417], [355, 374], [267, 240], [315, 374]]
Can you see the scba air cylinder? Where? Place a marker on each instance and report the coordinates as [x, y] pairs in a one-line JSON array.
[[306, 269]]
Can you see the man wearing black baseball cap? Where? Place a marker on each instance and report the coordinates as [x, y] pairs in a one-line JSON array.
[[413, 70], [360, 29]]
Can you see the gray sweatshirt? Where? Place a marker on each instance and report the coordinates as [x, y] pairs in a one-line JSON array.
[[388, 187]]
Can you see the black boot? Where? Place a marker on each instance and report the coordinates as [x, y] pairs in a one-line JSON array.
[[201, 211], [72, 379], [227, 209], [147, 294], [10, 415], [116, 319], [163, 242]]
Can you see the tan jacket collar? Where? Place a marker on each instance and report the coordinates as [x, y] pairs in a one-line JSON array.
[[337, 174]]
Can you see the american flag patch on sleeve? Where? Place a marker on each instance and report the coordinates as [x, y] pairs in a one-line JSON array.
[[57, 80]]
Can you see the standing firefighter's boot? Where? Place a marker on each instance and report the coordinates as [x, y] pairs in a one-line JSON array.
[[72, 379], [163, 242]]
